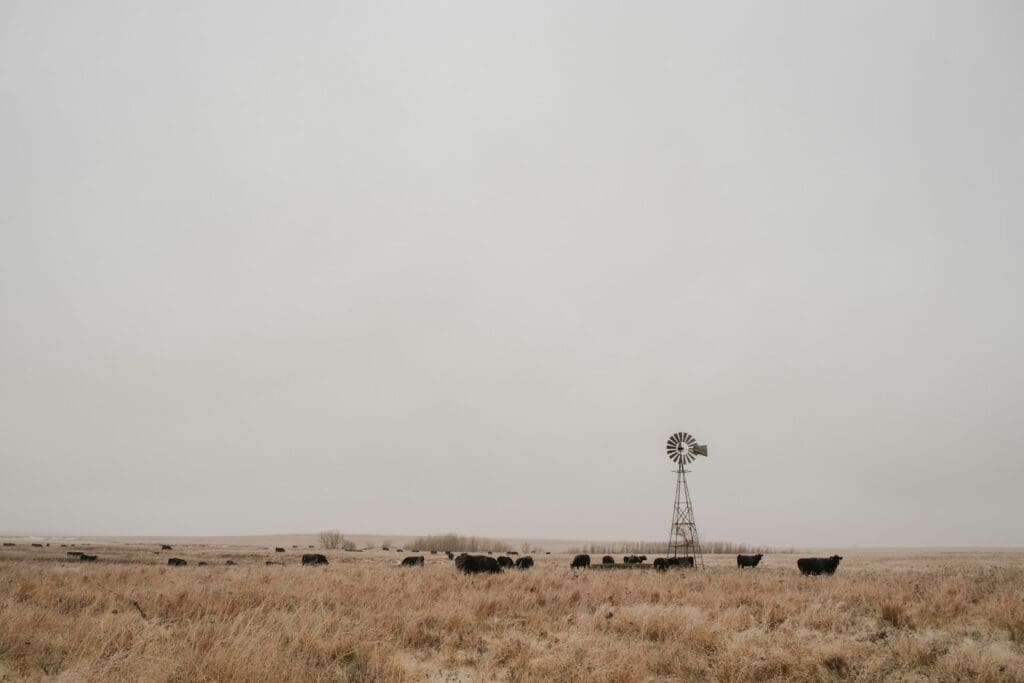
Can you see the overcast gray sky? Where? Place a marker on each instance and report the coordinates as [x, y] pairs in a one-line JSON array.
[[422, 267]]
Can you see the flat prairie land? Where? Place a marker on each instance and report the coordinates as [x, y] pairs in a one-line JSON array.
[[128, 616]]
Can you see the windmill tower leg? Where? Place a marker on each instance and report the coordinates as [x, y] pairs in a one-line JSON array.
[[683, 539]]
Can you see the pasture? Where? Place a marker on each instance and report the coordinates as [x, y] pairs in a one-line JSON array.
[[128, 616]]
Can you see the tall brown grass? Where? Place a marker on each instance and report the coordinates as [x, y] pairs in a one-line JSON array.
[[129, 617]]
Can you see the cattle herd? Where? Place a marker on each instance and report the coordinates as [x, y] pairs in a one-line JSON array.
[[809, 566], [486, 564]]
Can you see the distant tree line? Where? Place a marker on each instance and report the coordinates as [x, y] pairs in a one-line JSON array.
[[646, 547], [458, 543]]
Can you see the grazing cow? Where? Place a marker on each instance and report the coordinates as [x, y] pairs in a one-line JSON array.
[[412, 561], [164, 546], [505, 562], [524, 562], [87, 558], [37, 545], [200, 564], [476, 564], [818, 565], [74, 553], [314, 559], [278, 550], [748, 560], [230, 562], [449, 554], [580, 562], [607, 559], [176, 562], [663, 563]]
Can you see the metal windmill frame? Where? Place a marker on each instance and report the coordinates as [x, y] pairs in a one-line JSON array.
[[683, 540]]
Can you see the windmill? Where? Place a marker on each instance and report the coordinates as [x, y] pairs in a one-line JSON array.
[[682, 540]]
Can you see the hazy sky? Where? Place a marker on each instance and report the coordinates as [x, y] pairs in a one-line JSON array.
[[430, 267]]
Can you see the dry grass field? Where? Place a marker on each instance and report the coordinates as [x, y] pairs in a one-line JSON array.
[[911, 616]]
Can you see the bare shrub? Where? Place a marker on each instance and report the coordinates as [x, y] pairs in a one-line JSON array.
[[331, 539]]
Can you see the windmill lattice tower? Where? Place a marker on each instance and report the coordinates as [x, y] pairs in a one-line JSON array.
[[683, 540]]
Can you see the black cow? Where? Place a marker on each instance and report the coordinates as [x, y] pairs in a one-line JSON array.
[[663, 563], [314, 558], [607, 559], [413, 561], [477, 564], [176, 562], [818, 565], [87, 558], [164, 546], [505, 562], [524, 562], [748, 560], [229, 562], [580, 562], [278, 550]]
